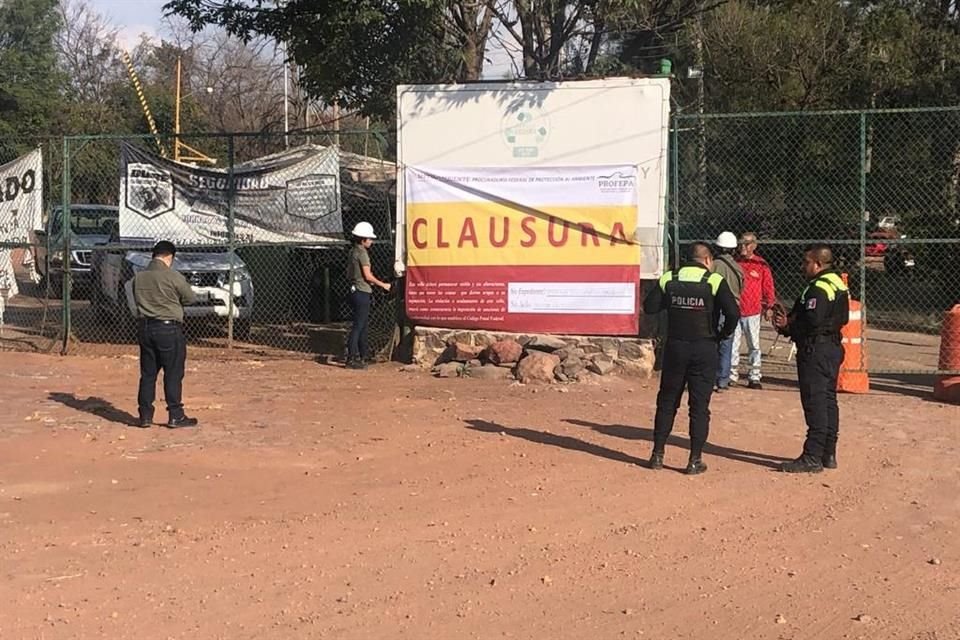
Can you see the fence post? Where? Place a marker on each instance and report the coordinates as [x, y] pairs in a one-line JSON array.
[[674, 173], [231, 239], [66, 228], [863, 229]]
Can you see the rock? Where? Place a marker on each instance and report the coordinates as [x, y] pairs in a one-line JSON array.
[[601, 365], [863, 618], [547, 343], [780, 619], [411, 368], [630, 350], [934, 561], [504, 352], [537, 368], [560, 376], [484, 339], [489, 372], [448, 370], [609, 346], [546, 580], [475, 363], [572, 367], [570, 352], [636, 369], [461, 352]]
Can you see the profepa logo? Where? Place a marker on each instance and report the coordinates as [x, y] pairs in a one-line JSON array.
[[617, 182]]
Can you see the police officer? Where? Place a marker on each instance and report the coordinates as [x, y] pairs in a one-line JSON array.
[[694, 299], [814, 324], [160, 294]]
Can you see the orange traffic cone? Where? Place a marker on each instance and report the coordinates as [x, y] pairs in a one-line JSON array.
[[853, 372], [947, 388]]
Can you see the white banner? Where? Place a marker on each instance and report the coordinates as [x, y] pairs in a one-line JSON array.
[[21, 213], [292, 196], [21, 198]]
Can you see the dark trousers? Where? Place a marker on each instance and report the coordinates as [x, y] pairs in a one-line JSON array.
[[818, 367], [357, 345], [163, 347], [691, 365]]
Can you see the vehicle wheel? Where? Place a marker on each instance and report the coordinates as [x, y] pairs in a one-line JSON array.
[[126, 321], [241, 329], [98, 304]]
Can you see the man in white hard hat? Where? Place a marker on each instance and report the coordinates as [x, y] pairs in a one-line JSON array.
[[726, 265], [361, 279]]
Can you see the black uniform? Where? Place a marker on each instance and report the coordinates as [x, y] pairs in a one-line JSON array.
[[694, 299], [814, 324]]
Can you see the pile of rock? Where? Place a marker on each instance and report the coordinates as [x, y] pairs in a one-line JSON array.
[[543, 359]]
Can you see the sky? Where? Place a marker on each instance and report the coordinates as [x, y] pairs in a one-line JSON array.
[[134, 17]]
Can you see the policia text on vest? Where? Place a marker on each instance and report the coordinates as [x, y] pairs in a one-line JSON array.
[[814, 324], [695, 301]]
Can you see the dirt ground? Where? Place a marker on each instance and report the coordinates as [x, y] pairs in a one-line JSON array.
[[316, 502]]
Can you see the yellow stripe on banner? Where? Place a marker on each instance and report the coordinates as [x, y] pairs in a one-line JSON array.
[[488, 233]]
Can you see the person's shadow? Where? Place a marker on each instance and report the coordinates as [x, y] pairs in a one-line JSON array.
[[642, 433], [96, 406], [564, 442]]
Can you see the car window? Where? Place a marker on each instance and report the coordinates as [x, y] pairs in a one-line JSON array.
[[87, 221]]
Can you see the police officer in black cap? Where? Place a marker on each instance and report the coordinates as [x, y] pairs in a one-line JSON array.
[[694, 299], [160, 294], [814, 324]]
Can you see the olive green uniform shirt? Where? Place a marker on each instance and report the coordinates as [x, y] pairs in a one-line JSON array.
[[359, 258], [160, 292]]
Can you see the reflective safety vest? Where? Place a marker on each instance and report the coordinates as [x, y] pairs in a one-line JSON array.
[[690, 293]]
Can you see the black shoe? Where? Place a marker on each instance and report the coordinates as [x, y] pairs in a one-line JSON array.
[[829, 461], [656, 460], [356, 364], [179, 423], [755, 384], [695, 467], [144, 422], [721, 388], [803, 464]]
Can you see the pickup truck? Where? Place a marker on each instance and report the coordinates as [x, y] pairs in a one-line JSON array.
[[114, 265], [91, 225]]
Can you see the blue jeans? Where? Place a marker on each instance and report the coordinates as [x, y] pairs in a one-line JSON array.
[[357, 344], [723, 368]]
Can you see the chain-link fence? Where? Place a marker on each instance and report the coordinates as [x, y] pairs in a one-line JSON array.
[[262, 227], [881, 187], [31, 172]]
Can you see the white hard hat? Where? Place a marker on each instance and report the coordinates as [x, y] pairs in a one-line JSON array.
[[364, 230], [726, 240]]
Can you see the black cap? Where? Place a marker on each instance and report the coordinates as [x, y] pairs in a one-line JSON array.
[[164, 248]]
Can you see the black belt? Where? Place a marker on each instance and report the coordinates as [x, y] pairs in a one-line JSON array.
[[153, 321], [834, 338]]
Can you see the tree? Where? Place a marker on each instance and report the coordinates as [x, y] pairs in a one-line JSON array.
[[355, 53], [31, 80]]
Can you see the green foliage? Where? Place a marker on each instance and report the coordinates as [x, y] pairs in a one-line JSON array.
[[31, 83]]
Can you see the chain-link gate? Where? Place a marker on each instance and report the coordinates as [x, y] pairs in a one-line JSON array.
[[881, 187], [268, 264]]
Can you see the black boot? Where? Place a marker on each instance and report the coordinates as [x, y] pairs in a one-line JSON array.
[[803, 464], [695, 466], [829, 461], [144, 421], [656, 460], [182, 422]]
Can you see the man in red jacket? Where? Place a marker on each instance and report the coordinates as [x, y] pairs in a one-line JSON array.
[[756, 300]]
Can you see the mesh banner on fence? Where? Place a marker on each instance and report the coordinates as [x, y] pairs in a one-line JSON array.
[[259, 225], [30, 175], [881, 188]]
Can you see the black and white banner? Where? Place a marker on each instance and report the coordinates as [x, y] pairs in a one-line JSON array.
[[21, 213], [292, 196]]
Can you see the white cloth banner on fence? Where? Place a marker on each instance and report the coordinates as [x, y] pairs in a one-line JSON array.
[[292, 196], [21, 213]]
